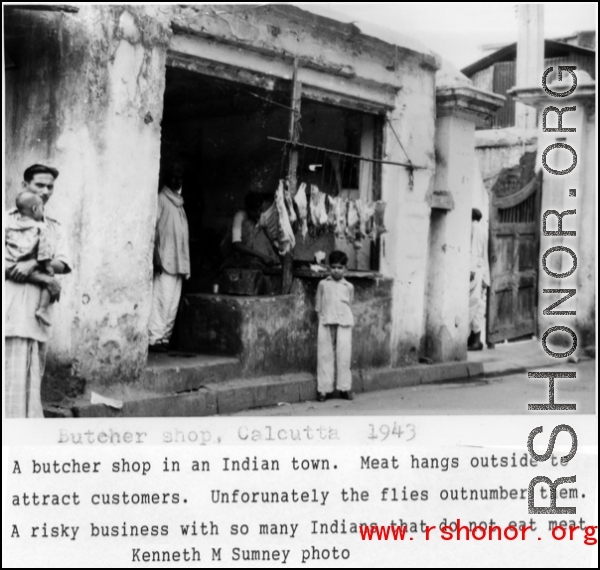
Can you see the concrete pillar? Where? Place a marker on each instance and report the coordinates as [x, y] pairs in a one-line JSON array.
[[459, 109], [557, 195], [96, 82], [530, 58], [404, 246], [119, 213], [450, 238], [586, 285]]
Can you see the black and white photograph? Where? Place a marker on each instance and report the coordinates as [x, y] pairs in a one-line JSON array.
[[282, 253]]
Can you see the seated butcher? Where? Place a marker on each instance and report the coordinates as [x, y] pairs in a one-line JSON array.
[[246, 246]]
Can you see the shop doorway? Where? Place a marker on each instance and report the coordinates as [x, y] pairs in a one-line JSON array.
[[233, 138], [219, 130]]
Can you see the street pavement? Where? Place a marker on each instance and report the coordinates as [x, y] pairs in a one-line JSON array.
[[508, 394]]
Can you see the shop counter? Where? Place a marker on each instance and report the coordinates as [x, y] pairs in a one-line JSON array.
[[278, 334]]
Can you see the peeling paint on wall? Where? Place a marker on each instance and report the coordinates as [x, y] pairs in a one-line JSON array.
[[108, 160]]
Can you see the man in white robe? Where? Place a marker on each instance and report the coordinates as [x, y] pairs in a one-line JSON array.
[[171, 259], [480, 280]]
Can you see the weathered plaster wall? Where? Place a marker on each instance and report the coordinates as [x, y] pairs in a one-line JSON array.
[[501, 148], [323, 45], [86, 97]]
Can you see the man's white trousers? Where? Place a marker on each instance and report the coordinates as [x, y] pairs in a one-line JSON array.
[[166, 292]]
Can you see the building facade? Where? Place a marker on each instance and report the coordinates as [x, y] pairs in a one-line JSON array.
[[105, 93]]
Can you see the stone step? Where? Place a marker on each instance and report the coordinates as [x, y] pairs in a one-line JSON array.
[[176, 372], [175, 377], [211, 399]]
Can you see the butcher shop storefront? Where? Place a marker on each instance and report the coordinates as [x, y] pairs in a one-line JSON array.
[[317, 157], [318, 166]]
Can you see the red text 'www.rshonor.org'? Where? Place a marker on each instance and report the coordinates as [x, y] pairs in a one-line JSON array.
[[456, 531]]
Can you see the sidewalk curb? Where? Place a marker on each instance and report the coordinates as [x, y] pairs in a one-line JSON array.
[[242, 394], [498, 369], [231, 396], [387, 379]]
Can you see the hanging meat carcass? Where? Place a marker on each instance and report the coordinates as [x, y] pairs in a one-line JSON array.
[[378, 218], [276, 222], [359, 232], [361, 226], [331, 212], [286, 238], [322, 210], [288, 202], [360, 221], [314, 206], [370, 220], [366, 211], [351, 220], [318, 208], [302, 205], [340, 209]]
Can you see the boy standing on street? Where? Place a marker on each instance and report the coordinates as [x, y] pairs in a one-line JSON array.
[[334, 344]]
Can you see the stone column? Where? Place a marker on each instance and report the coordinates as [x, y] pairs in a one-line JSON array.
[[530, 58], [459, 109], [86, 96], [409, 134], [557, 195]]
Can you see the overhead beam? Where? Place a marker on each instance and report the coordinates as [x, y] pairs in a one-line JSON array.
[[45, 8]]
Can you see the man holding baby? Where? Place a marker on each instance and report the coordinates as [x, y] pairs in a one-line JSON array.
[[26, 334]]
